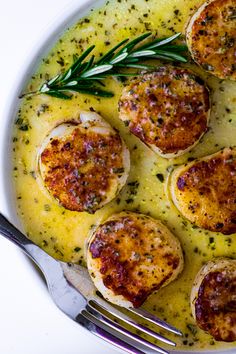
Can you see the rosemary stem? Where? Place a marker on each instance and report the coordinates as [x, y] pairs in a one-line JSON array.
[[85, 75]]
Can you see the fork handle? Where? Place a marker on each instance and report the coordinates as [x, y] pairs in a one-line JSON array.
[[12, 234]]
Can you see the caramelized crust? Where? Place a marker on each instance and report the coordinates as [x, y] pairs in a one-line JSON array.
[[215, 301], [132, 255], [205, 191], [167, 109], [211, 38], [82, 169]]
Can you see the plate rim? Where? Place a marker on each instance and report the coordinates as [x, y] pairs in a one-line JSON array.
[[49, 36]]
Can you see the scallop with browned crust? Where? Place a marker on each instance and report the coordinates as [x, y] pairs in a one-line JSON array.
[[213, 299], [205, 191], [211, 38], [131, 255], [167, 109], [84, 164]]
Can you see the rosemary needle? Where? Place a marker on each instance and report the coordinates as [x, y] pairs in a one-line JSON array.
[[86, 75]]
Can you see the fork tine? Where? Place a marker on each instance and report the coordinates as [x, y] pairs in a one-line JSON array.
[[93, 316], [100, 303], [153, 319], [108, 337]]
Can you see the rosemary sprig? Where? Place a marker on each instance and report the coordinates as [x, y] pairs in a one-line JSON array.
[[86, 75]]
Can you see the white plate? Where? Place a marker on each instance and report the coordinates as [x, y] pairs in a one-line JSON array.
[[29, 322]]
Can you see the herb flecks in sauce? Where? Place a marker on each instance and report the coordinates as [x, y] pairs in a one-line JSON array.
[[71, 228]]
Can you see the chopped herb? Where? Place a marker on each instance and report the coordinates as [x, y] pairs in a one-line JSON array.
[[24, 127], [43, 108], [61, 61], [33, 174], [192, 328], [47, 207], [19, 121], [118, 170], [212, 243], [160, 177], [58, 251], [228, 241], [118, 200], [77, 249], [133, 188], [44, 243]]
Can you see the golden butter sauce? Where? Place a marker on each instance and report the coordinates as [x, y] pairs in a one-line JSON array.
[[63, 233]]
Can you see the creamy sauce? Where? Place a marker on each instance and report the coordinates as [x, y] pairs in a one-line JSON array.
[[63, 233]]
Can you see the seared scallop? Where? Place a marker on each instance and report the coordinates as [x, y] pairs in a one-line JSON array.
[[213, 299], [130, 256], [205, 191], [211, 38], [84, 164], [167, 109]]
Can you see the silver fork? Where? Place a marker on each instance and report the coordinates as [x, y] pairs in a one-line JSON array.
[[73, 292]]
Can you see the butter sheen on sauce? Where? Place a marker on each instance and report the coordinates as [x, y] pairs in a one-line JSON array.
[[63, 233]]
